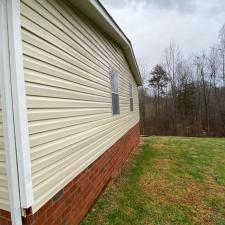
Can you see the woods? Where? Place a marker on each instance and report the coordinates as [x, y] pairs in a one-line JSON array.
[[185, 96]]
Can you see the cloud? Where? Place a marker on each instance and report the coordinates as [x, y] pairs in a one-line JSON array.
[[183, 6], [180, 5], [152, 24]]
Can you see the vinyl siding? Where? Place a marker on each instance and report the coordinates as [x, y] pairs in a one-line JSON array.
[[66, 66], [4, 196]]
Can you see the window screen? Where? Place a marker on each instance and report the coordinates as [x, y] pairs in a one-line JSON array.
[[131, 97], [114, 91]]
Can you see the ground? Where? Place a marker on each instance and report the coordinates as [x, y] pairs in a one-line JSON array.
[[167, 181]]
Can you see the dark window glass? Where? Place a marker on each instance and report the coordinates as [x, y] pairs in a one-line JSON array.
[[131, 97], [115, 92], [115, 104], [131, 104]]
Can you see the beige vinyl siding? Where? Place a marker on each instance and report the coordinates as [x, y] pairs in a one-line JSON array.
[[66, 66], [4, 196]]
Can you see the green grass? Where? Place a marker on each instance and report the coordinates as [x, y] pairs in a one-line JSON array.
[[168, 181]]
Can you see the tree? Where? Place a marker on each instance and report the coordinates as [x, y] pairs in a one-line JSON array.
[[142, 95], [222, 50], [205, 78], [172, 62], [159, 82]]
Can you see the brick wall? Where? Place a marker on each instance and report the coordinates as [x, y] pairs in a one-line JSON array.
[[70, 205], [5, 218]]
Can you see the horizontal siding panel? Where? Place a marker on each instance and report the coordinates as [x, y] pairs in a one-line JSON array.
[[2, 168], [58, 48], [43, 79], [86, 33], [39, 66], [3, 181], [46, 149], [1, 130], [58, 25], [4, 195], [45, 102], [82, 162], [48, 91], [72, 153], [1, 142], [4, 204], [47, 38], [66, 66], [47, 114], [42, 55], [45, 137], [55, 27], [2, 155], [65, 19], [51, 49], [53, 124]]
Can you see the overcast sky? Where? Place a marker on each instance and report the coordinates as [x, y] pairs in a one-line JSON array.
[[152, 24]]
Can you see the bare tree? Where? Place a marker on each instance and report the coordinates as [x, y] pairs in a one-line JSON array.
[[222, 50], [172, 59], [142, 95]]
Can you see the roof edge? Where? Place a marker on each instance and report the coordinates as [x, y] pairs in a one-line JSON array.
[[96, 12]]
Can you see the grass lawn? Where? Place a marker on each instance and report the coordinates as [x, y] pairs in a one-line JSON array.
[[168, 181]]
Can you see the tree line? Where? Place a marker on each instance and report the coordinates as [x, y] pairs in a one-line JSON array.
[[183, 96]]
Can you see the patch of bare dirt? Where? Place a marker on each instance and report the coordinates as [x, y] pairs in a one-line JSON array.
[[190, 196], [159, 189], [159, 146], [162, 147], [162, 163]]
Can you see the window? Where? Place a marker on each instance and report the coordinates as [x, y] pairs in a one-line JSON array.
[[114, 91], [131, 97]]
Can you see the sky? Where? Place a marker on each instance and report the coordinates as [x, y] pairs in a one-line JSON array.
[[152, 24]]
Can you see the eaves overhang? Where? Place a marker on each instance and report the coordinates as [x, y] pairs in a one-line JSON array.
[[95, 12]]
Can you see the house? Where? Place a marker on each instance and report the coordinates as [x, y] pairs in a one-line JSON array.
[[69, 108]]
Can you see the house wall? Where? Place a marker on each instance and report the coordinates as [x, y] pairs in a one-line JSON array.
[[66, 66], [4, 196], [71, 204]]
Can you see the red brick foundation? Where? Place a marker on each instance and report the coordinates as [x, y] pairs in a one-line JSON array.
[[70, 205], [5, 217]]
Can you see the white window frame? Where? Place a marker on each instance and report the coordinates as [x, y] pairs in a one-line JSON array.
[[131, 97], [113, 72]]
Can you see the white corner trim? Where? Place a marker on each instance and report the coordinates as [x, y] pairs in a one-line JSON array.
[[19, 103], [8, 123]]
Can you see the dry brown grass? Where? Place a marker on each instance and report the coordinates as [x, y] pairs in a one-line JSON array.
[[185, 194]]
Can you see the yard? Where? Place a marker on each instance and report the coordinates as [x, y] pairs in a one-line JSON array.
[[168, 181]]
